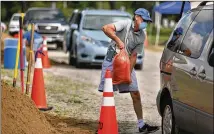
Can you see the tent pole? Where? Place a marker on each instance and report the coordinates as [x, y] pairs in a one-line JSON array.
[[158, 29], [157, 23], [182, 10]]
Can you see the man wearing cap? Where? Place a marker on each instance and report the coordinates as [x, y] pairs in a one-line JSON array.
[[128, 35]]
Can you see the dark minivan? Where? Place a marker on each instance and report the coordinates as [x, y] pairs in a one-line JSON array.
[[185, 99]]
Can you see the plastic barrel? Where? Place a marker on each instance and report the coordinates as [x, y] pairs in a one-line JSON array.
[[10, 48]]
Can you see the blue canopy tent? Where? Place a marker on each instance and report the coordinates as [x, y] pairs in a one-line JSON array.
[[172, 7]]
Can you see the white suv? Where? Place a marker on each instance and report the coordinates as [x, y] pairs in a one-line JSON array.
[[14, 23]]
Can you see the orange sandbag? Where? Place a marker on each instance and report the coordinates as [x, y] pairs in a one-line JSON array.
[[121, 68]]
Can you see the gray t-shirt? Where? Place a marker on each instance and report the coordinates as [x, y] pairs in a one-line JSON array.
[[135, 40]]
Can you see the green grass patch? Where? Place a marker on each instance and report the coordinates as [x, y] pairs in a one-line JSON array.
[[164, 34]]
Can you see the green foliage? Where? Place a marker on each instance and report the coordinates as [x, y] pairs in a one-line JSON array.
[[164, 34], [3, 13], [40, 4], [16, 6]]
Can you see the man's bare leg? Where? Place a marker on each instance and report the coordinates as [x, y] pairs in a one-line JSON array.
[[137, 104], [143, 127]]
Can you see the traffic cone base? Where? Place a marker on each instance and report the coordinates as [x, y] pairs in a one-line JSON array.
[[107, 124]]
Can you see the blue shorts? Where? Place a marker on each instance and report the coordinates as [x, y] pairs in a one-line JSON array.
[[123, 88]]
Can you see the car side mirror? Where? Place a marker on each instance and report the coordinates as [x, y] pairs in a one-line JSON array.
[[211, 58], [74, 26]]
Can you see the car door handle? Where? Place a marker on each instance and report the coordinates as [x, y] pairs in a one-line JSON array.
[[193, 72]]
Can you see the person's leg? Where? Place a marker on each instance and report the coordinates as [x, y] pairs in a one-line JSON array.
[[137, 104], [143, 127], [137, 107]]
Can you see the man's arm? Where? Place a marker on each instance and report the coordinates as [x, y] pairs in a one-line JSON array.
[[110, 30], [139, 49]]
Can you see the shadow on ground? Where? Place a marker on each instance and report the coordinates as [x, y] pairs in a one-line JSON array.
[[65, 65], [67, 125]]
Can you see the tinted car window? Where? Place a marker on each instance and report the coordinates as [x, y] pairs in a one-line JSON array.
[[45, 15], [176, 39], [198, 33], [95, 22]]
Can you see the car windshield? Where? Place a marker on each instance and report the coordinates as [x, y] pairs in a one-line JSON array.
[[96, 22], [16, 18], [46, 15]]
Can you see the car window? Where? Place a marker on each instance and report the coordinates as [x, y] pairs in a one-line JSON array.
[[70, 21], [15, 18], [180, 30], [197, 35], [46, 15], [96, 22], [73, 18]]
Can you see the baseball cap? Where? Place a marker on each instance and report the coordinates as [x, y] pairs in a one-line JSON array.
[[143, 13]]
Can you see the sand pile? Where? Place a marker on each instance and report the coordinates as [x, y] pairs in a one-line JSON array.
[[19, 114]]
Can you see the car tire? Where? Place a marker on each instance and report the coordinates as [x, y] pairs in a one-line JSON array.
[[168, 124], [77, 64], [72, 60]]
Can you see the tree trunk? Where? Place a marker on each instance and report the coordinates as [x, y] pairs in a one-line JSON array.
[[112, 4], [64, 4], [23, 6]]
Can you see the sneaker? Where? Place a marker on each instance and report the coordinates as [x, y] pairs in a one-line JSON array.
[[148, 129]]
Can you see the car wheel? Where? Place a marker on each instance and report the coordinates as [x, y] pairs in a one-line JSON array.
[[72, 60], [77, 64], [168, 121]]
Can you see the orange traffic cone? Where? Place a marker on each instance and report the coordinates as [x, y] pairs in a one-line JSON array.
[[38, 90], [108, 121], [45, 60]]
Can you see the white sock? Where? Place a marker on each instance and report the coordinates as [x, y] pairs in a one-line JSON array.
[[140, 123]]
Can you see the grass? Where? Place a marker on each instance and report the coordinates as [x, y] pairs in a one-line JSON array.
[[164, 35]]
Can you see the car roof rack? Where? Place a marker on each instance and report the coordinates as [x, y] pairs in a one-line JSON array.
[[203, 3]]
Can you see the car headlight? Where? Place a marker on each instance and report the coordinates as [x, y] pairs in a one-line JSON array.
[[88, 39]]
